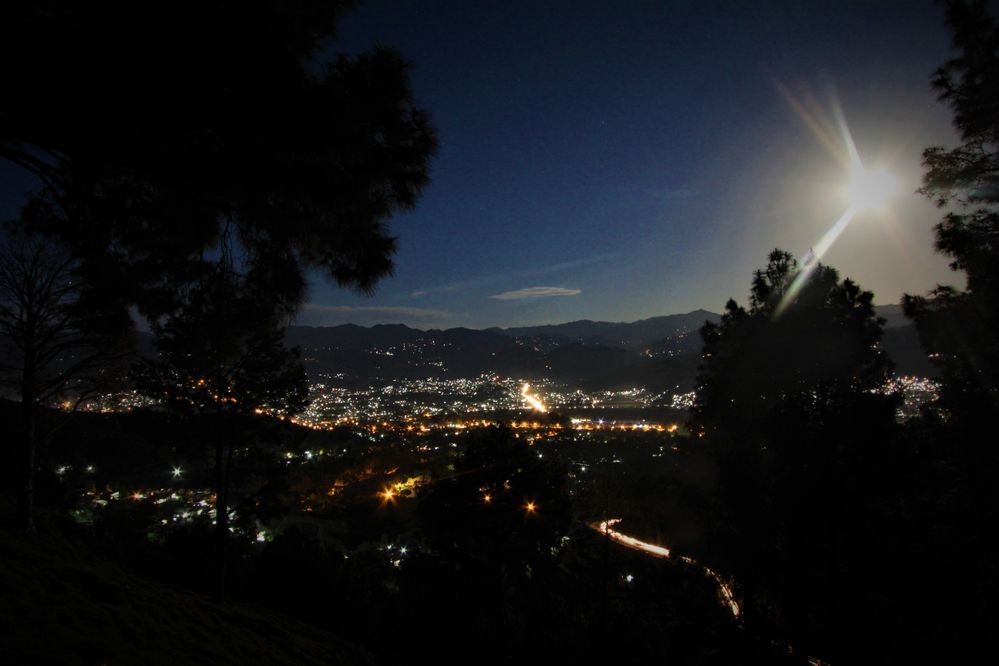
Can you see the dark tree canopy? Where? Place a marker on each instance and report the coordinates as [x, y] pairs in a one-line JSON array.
[[221, 355], [223, 351], [154, 123], [958, 328], [788, 408], [816, 357]]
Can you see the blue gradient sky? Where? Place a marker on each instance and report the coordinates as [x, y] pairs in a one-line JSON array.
[[620, 160], [638, 158]]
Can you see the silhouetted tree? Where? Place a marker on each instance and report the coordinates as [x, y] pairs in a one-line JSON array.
[[958, 328], [221, 357], [169, 133], [497, 520], [56, 343], [156, 124], [787, 401], [814, 354]]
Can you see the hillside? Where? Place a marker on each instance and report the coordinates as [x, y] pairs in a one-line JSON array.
[[62, 604]]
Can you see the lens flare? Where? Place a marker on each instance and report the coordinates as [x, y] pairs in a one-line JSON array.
[[811, 259], [867, 190]]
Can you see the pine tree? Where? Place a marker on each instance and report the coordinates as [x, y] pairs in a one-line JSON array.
[[789, 404]]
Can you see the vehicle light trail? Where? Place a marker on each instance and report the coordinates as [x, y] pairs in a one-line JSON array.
[[725, 594], [630, 542]]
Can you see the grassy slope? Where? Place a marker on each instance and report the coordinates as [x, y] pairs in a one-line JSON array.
[[61, 604]]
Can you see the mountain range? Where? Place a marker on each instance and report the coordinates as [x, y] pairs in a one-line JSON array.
[[660, 353]]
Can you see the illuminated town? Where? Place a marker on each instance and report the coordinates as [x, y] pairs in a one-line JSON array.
[[401, 435]]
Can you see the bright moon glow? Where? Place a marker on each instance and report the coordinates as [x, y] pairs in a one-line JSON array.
[[870, 188], [866, 190]]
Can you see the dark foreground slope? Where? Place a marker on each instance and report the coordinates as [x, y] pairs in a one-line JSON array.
[[61, 604]]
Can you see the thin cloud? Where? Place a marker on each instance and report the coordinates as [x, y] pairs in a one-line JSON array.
[[509, 275], [536, 292]]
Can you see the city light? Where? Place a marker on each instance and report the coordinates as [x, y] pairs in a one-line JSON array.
[[532, 400], [177, 472]]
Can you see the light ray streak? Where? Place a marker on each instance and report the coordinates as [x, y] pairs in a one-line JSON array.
[[844, 131], [822, 128], [812, 259], [868, 188]]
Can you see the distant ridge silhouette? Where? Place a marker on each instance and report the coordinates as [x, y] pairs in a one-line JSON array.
[[660, 353]]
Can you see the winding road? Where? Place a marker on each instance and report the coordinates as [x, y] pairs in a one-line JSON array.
[[725, 595]]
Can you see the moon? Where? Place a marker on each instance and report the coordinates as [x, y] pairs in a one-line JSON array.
[[870, 189]]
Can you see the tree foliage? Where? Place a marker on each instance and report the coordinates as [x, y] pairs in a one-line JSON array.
[[222, 351], [221, 355], [787, 404], [156, 124], [203, 157], [958, 327], [815, 358]]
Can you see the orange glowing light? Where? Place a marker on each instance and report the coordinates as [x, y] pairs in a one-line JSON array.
[[532, 400]]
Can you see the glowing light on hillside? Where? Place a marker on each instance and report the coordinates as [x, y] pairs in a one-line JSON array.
[[533, 401]]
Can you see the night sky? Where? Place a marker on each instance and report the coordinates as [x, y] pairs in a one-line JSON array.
[[621, 160]]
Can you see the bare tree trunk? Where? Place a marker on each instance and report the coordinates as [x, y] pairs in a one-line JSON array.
[[28, 447], [221, 505]]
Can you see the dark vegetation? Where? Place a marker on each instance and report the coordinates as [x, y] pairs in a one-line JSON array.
[[65, 602], [846, 536]]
